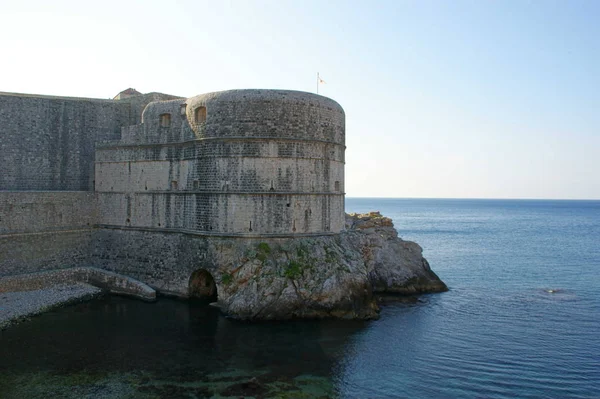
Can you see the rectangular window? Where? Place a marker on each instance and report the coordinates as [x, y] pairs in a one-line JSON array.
[[200, 115], [174, 185], [165, 120]]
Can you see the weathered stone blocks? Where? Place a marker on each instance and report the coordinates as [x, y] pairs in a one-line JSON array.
[[259, 162]]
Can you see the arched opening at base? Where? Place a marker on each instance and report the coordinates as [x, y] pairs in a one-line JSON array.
[[202, 286]]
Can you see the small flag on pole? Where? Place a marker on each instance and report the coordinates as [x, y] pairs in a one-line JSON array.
[[319, 81]]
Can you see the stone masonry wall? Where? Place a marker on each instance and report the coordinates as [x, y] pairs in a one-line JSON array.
[[40, 211], [47, 148], [227, 214], [165, 261], [265, 162], [48, 142], [45, 230]]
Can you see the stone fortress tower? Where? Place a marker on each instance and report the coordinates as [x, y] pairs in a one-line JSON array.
[[235, 196], [240, 162], [150, 185]]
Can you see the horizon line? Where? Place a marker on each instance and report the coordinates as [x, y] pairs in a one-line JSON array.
[[480, 198]]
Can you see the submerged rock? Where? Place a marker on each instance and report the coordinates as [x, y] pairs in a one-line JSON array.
[[318, 277]]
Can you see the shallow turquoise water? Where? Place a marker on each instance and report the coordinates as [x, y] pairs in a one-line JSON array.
[[498, 332]]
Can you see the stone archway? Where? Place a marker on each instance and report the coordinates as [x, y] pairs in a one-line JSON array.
[[202, 286]]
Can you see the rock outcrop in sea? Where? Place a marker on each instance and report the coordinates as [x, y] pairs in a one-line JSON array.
[[335, 276]]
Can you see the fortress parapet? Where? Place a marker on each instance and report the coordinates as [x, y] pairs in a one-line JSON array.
[[239, 162]]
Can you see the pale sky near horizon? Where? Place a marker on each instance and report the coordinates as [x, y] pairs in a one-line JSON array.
[[461, 99]]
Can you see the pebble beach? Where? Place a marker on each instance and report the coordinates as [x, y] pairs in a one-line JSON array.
[[20, 305]]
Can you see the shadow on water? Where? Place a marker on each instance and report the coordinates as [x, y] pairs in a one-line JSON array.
[[169, 348]]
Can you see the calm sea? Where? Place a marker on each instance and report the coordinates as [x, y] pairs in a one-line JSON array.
[[521, 320]]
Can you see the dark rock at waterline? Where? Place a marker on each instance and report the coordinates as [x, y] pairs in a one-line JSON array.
[[252, 387], [175, 391]]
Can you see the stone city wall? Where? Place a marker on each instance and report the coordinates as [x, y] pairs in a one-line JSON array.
[[227, 214], [47, 204], [45, 230], [29, 253], [254, 163], [228, 165], [43, 211], [48, 142], [163, 260]]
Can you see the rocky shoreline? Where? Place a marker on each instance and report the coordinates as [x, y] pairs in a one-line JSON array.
[[337, 276], [322, 277]]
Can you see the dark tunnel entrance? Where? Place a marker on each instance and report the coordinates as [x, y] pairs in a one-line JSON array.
[[202, 286]]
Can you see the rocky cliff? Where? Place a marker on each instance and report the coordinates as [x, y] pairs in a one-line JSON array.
[[330, 276]]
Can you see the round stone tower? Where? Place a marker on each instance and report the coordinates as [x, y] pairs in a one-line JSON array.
[[267, 162], [240, 162]]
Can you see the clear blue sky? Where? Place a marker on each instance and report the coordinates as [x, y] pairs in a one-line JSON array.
[[465, 99]]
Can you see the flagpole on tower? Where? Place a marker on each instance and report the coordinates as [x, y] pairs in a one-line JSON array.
[[318, 82]]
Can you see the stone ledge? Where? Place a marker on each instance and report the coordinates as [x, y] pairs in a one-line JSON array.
[[232, 192], [214, 234], [119, 143], [42, 232]]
